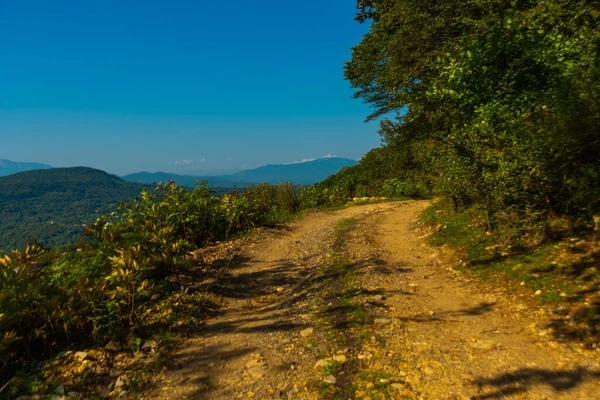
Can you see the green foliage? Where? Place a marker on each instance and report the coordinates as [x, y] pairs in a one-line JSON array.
[[381, 172], [396, 188], [496, 102], [49, 207], [94, 290], [318, 196], [39, 310]]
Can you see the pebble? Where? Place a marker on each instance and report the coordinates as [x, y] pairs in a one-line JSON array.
[[255, 363], [560, 310], [324, 348], [397, 386], [113, 346], [85, 365], [306, 332], [94, 354], [150, 345], [121, 381], [326, 361], [330, 379], [256, 372], [340, 358], [482, 344], [381, 321]]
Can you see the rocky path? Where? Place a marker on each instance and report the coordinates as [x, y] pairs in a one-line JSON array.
[[353, 304], [442, 336], [255, 348]]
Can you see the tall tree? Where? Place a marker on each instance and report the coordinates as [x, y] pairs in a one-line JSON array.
[[498, 100]]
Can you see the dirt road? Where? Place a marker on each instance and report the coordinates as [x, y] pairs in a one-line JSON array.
[[354, 304]]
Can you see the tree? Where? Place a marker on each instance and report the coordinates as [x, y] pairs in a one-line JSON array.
[[496, 102]]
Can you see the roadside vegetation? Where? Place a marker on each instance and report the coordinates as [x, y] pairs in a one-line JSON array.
[[492, 107], [125, 276]]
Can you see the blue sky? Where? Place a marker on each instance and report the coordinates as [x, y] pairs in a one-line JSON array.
[[140, 85]]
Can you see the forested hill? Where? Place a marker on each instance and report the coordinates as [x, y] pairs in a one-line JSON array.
[[51, 205], [490, 104]]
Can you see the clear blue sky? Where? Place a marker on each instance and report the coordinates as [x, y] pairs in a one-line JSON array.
[[127, 85]]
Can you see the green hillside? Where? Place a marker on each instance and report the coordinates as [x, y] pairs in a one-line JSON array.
[[51, 205]]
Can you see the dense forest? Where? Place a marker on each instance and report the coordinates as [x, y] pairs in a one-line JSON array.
[[50, 206], [491, 106], [503, 106]]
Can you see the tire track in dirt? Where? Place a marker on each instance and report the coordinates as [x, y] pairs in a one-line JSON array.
[[256, 347], [442, 336], [419, 329]]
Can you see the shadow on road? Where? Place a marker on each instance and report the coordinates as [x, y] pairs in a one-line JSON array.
[[524, 379]]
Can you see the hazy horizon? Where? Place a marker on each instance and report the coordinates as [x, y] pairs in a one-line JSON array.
[[178, 87], [190, 171]]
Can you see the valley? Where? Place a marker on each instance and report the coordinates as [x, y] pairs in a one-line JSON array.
[[49, 206]]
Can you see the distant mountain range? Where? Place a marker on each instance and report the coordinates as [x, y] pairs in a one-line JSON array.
[[182, 180], [304, 173], [51, 204], [8, 167]]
